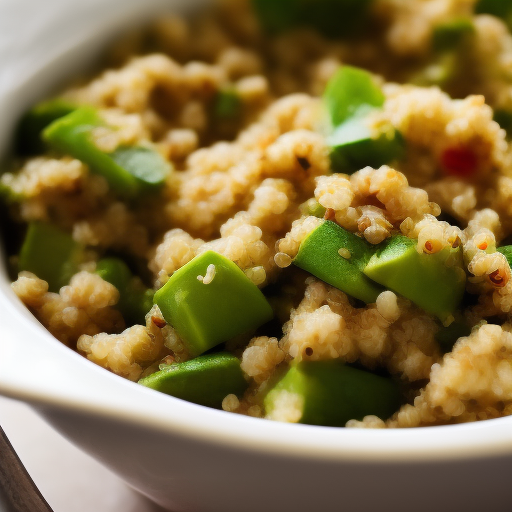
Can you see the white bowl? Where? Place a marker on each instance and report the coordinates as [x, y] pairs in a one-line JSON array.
[[183, 456]]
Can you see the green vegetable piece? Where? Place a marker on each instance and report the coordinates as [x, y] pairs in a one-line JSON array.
[[209, 301], [50, 254], [351, 95], [499, 8], [227, 104], [354, 146], [32, 124], [434, 282], [447, 336], [332, 18], [319, 254], [506, 250], [313, 207], [351, 92], [448, 36], [504, 119], [128, 170], [135, 300], [206, 380], [330, 393]]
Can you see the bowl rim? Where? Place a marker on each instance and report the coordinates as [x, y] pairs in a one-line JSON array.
[[52, 375]]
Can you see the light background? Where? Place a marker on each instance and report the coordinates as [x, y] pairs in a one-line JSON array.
[[70, 480]]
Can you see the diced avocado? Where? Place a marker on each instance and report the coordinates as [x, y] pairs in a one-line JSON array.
[[218, 306], [320, 255], [206, 380], [447, 336], [351, 92], [50, 254], [332, 18], [128, 170], [448, 36], [135, 300], [434, 282], [312, 207], [350, 97], [227, 104], [354, 146], [146, 165], [330, 393], [32, 124], [499, 8]]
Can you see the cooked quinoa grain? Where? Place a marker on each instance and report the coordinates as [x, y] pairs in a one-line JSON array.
[[385, 256]]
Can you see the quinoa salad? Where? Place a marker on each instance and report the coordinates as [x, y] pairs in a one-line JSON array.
[[296, 210]]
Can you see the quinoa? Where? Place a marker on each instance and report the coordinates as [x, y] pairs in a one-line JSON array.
[[253, 184]]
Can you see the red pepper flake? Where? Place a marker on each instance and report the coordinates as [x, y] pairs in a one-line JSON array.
[[496, 279], [459, 161], [483, 246], [428, 246]]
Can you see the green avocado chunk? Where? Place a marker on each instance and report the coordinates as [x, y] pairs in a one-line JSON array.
[[499, 8], [211, 311], [352, 92], [135, 300], [128, 170], [32, 124], [350, 96], [354, 146], [319, 255], [205, 380], [332, 18], [330, 393], [434, 282], [50, 254], [448, 36]]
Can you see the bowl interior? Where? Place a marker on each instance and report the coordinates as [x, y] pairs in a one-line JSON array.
[[65, 39]]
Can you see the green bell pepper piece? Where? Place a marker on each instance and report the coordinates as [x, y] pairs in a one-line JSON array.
[[332, 18], [331, 393], [206, 380], [448, 36], [205, 314], [32, 124], [319, 255], [128, 170], [135, 300], [50, 254], [434, 282]]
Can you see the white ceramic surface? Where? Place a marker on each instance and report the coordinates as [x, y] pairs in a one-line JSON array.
[[189, 458]]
